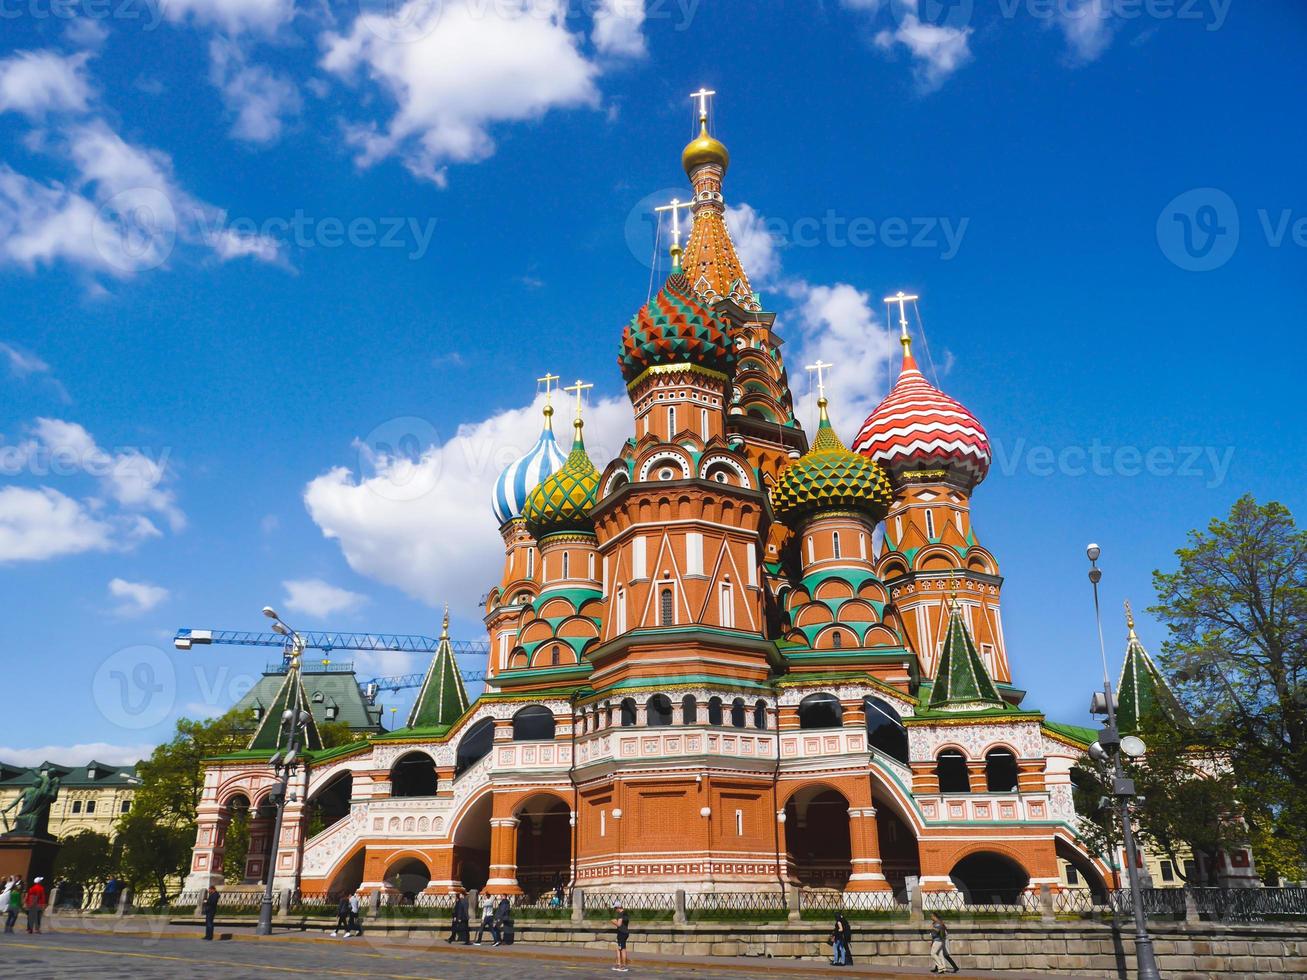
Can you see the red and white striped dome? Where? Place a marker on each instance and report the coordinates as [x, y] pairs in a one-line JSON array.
[[918, 427]]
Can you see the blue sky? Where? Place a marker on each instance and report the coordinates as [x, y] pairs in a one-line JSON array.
[[248, 247]]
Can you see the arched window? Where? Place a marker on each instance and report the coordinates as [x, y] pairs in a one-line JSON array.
[[555, 655], [667, 612], [530, 562], [659, 710], [413, 775], [760, 715], [628, 712], [885, 731], [727, 606], [621, 610], [714, 711], [534, 723], [567, 565], [951, 769], [1000, 771], [821, 711], [671, 420], [930, 523], [737, 713], [835, 544], [474, 746], [837, 640], [689, 710]]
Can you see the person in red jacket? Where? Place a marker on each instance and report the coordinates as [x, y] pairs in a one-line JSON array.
[[35, 902]]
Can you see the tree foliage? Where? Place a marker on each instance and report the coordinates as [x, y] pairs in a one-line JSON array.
[[1236, 611], [86, 858]]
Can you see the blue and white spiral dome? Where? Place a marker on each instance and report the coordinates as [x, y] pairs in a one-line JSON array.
[[522, 475]]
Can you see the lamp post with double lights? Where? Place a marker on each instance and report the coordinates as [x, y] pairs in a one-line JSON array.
[[1109, 748], [284, 764]]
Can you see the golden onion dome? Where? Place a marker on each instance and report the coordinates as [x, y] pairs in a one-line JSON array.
[[704, 149]]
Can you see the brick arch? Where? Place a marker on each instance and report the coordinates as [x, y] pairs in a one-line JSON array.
[[966, 849]]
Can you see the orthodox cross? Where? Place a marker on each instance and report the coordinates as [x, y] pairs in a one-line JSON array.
[[675, 208], [580, 388], [1129, 617], [820, 367], [547, 381], [902, 299], [702, 96]]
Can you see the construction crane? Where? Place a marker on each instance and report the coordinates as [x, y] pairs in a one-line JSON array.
[[327, 642]]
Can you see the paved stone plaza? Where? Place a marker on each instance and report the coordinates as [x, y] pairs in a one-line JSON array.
[[173, 954]]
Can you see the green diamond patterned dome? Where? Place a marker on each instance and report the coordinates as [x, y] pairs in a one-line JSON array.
[[675, 328], [563, 500], [830, 477]]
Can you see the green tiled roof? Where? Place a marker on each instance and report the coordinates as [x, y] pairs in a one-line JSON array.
[[70, 777], [1077, 733], [442, 699], [1142, 689], [326, 689], [961, 681], [271, 734]]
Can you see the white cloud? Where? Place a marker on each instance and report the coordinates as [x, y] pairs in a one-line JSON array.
[[78, 754], [137, 597], [319, 599], [86, 32], [260, 98], [757, 247], [21, 363], [39, 524], [454, 69], [425, 526], [232, 16], [1087, 27], [937, 50], [37, 82], [618, 28]]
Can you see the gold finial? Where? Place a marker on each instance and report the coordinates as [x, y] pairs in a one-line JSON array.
[[1130, 620], [675, 208], [903, 299], [444, 626], [579, 388], [547, 381], [703, 149], [820, 368], [702, 96], [954, 577]]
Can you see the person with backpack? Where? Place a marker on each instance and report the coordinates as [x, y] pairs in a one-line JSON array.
[[342, 917], [939, 946]]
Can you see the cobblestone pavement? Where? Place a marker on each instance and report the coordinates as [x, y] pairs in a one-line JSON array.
[[174, 954]]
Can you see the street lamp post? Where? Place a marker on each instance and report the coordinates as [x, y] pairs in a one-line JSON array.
[[1108, 746], [293, 718]]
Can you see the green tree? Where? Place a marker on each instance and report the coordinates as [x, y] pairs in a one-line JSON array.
[[154, 854], [86, 858], [236, 846], [1236, 611], [335, 733]]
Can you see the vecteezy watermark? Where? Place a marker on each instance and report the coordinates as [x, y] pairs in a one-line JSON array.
[[942, 234], [135, 687], [406, 21], [148, 13], [1210, 13], [1199, 230], [35, 458], [305, 231], [1208, 463], [403, 457]]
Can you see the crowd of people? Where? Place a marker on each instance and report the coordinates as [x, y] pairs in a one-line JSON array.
[[14, 898]]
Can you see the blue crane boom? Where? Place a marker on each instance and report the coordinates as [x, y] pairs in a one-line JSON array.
[[327, 642]]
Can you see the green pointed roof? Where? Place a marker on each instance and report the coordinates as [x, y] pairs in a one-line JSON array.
[[270, 734], [442, 699], [961, 681], [1142, 688]]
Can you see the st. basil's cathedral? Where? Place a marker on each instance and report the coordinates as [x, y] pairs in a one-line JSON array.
[[733, 658]]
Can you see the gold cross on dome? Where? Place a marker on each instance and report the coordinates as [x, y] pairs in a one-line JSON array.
[[580, 388], [702, 96], [547, 381], [675, 208], [820, 367], [903, 300]]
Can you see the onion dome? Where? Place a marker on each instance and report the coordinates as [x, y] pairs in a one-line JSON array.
[[563, 500], [704, 149], [830, 477], [524, 474], [918, 427], [675, 328]]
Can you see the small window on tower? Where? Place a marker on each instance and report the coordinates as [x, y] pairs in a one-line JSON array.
[[930, 523], [835, 544], [1072, 875], [671, 420], [567, 565], [666, 610], [838, 639], [554, 656]]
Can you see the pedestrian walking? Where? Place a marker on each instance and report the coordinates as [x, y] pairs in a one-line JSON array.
[[210, 911], [458, 927], [939, 946], [622, 922], [34, 902], [342, 917], [487, 920], [8, 904], [355, 922], [846, 938]]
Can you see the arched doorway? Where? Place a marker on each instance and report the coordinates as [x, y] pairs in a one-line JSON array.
[[534, 723], [472, 845], [544, 844], [474, 746], [234, 831], [349, 877], [331, 803], [408, 877], [899, 854], [413, 774], [817, 837], [885, 731], [987, 878]]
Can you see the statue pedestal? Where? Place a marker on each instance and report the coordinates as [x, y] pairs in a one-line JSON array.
[[28, 857]]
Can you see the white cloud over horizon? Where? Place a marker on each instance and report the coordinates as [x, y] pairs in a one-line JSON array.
[[318, 599], [35, 83], [136, 598], [937, 50], [77, 754]]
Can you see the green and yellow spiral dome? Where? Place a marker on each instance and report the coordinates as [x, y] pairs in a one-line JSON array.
[[562, 501], [830, 477]]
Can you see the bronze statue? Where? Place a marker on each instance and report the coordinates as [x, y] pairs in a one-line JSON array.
[[34, 807]]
